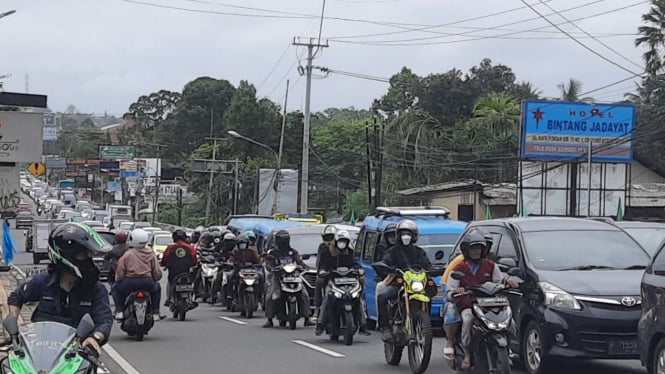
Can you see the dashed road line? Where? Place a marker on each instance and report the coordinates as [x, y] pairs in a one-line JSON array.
[[233, 320], [318, 349]]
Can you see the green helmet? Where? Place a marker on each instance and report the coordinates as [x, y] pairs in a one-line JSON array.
[[251, 235], [72, 246]]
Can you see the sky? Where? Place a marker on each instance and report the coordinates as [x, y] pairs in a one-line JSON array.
[[102, 55]]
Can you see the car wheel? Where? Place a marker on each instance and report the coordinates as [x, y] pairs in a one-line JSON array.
[[532, 349], [656, 363]]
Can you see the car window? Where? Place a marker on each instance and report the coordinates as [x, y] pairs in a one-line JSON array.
[[358, 244], [370, 246], [306, 244], [569, 249], [433, 243], [507, 247], [109, 237], [163, 240], [649, 238]]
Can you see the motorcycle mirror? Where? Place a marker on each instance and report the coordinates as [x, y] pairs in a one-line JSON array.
[[516, 272], [306, 257], [457, 275], [85, 327], [11, 324], [438, 255]]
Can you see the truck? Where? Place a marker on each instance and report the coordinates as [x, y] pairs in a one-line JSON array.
[[119, 210], [41, 229]]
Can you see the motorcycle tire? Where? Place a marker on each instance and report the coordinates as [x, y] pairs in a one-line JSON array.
[[421, 322], [349, 328], [334, 338], [175, 314], [393, 353], [182, 315], [293, 316], [139, 337], [501, 359]]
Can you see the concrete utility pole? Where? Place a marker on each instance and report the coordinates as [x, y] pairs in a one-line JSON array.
[[210, 181], [304, 184]]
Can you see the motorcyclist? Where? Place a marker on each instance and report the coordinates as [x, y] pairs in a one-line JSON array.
[[138, 269], [217, 240], [244, 254], [401, 256], [252, 239], [388, 239], [206, 241], [340, 255], [477, 270], [71, 288], [118, 251], [178, 263], [328, 243], [282, 253], [224, 246], [196, 235]]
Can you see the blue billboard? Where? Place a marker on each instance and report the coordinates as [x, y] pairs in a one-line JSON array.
[[561, 130]]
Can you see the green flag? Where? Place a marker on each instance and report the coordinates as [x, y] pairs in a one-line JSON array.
[[488, 212], [352, 218], [619, 211], [525, 211]]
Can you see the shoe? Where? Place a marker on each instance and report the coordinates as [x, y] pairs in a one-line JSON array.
[[386, 334], [243, 314], [319, 329], [308, 322], [119, 315], [167, 303], [268, 324], [157, 316], [363, 331]]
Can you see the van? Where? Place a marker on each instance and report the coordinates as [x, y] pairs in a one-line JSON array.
[[437, 236]]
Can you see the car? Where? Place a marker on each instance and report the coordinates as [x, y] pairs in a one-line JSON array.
[[581, 291], [651, 328], [94, 223], [650, 235], [125, 226], [24, 219], [102, 264], [141, 225], [159, 243]]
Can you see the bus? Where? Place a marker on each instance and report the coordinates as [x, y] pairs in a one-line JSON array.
[[66, 184]]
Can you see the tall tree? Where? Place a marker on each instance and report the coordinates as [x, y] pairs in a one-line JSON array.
[[652, 36], [571, 91]]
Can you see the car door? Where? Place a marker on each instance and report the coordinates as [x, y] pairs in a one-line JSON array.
[[653, 298], [366, 260]]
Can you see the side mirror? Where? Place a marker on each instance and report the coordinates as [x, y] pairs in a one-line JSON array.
[[85, 327], [457, 275], [516, 272], [438, 255], [507, 263], [306, 257], [11, 324]]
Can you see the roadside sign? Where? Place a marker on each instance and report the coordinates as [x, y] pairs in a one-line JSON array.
[[113, 152], [36, 169]]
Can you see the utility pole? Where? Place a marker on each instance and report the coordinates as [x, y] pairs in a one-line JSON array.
[[158, 177], [304, 183], [275, 204], [210, 181], [235, 186]]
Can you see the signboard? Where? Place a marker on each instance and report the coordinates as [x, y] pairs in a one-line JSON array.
[[20, 136], [113, 152], [559, 130], [56, 163], [109, 165], [50, 133], [82, 161], [168, 193], [128, 168], [9, 188], [36, 169], [213, 166]]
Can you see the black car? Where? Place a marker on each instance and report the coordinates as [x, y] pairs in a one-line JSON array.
[[581, 291], [649, 234], [651, 329]]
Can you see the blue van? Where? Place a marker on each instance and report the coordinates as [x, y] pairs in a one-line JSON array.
[[437, 236]]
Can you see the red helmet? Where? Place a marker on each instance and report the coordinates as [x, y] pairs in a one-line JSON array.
[[121, 237]]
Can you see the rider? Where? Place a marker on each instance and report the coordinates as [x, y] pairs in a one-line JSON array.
[[477, 270], [340, 255], [71, 288], [401, 256], [196, 235], [137, 269], [282, 253], [328, 243], [252, 238], [244, 254], [118, 251], [388, 240], [178, 264], [223, 250]]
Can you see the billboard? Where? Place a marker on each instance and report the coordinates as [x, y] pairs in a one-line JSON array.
[[9, 188], [114, 152], [561, 130], [20, 136]]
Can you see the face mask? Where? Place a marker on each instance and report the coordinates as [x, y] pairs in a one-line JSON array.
[[341, 245], [242, 245], [406, 239]]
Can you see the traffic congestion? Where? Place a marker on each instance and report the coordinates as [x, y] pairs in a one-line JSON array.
[[523, 294]]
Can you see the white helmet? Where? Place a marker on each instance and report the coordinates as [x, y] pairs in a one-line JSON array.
[[343, 239], [138, 238]]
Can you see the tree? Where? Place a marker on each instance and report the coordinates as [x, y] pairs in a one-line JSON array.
[[150, 111], [652, 35], [572, 90]]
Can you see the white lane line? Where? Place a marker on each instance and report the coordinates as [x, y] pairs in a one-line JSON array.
[[126, 366], [237, 322], [318, 349]]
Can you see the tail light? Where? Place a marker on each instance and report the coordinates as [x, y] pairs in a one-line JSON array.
[[140, 295]]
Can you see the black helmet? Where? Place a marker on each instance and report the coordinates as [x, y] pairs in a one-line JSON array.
[[390, 230], [282, 239], [243, 241], [72, 246], [179, 234], [407, 232], [472, 238], [206, 239], [216, 236]]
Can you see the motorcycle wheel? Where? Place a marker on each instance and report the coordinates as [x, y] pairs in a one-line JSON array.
[[501, 359], [182, 315], [249, 306], [175, 313], [293, 316], [393, 353], [139, 337], [420, 346], [349, 328]]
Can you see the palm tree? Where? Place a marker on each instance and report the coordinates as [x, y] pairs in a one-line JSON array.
[[572, 91], [653, 37]]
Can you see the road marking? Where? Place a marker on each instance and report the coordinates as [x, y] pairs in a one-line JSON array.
[[318, 349], [237, 322], [126, 366]]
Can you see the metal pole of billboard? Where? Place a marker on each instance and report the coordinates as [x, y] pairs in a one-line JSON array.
[[589, 181]]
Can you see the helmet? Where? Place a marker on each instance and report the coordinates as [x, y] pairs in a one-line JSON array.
[[282, 239], [229, 236], [407, 232], [251, 236], [206, 239], [120, 237], [179, 234], [243, 242], [138, 238], [390, 230], [199, 229], [71, 247], [472, 238], [328, 233], [214, 229], [216, 237], [342, 239]]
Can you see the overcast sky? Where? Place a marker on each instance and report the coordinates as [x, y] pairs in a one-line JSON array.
[[101, 55]]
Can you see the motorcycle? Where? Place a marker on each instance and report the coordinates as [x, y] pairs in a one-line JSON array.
[[223, 288], [206, 275], [137, 316], [490, 333], [182, 296], [248, 290], [49, 347], [410, 316], [343, 314], [290, 284]]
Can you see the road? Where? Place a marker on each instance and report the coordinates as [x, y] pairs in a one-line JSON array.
[[210, 340]]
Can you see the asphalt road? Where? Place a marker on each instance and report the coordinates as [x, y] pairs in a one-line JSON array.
[[211, 340]]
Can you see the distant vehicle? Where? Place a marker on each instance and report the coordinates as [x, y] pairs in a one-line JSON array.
[[126, 226], [66, 183], [650, 235], [24, 219], [159, 243], [94, 224]]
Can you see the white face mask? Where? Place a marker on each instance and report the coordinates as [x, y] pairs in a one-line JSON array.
[[242, 245], [341, 245], [406, 239]]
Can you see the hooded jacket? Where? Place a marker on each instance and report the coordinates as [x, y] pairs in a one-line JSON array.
[[139, 263]]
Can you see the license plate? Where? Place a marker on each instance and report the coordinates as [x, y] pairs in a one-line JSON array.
[[291, 279], [345, 280], [622, 346], [184, 287], [492, 301]]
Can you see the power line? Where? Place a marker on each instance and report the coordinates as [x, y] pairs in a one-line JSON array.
[[274, 67]]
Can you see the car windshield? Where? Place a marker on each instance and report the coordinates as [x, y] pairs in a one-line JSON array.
[[433, 243], [163, 240], [45, 342], [126, 225], [108, 236], [583, 250], [306, 244], [649, 238]]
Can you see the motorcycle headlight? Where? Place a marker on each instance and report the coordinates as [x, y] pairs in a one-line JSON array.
[[417, 286], [289, 268], [496, 326], [250, 281], [338, 294], [558, 298]]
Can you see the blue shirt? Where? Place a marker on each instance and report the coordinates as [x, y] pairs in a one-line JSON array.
[[57, 305]]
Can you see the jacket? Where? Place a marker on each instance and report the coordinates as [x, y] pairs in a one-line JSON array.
[[240, 257], [139, 263], [400, 257], [177, 262], [276, 257], [329, 262], [178, 244], [45, 289], [487, 271]]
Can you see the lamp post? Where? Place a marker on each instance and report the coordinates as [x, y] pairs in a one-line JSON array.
[[278, 160]]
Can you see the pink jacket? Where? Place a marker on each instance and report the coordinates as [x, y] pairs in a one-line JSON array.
[[138, 263]]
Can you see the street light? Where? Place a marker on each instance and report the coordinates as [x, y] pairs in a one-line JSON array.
[[278, 160], [9, 13]]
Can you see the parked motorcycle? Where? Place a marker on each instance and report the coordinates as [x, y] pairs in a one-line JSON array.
[[411, 325], [490, 334], [343, 316], [182, 296], [290, 283], [248, 290], [137, 316], [49, 347]]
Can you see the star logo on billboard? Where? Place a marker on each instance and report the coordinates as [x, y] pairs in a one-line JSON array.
[[538, 115]]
